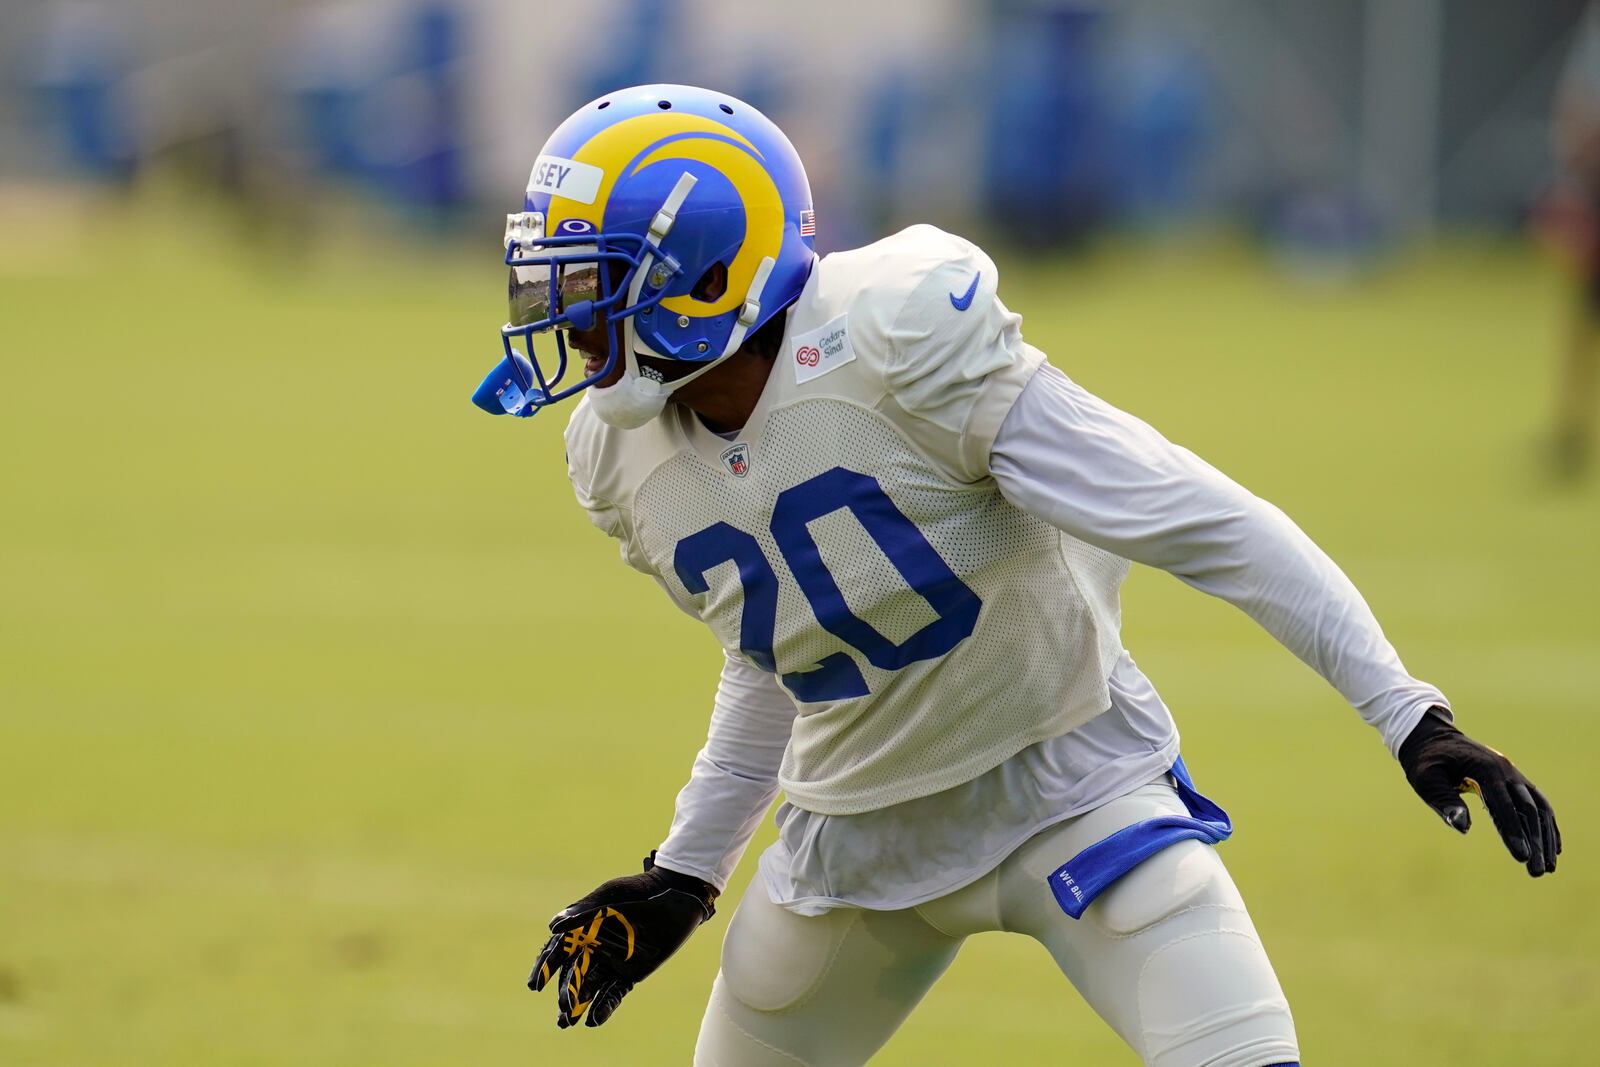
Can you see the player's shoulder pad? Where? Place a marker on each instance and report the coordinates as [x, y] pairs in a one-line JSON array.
[[923, 299], [605, 463], [921, 268], [925, 304]]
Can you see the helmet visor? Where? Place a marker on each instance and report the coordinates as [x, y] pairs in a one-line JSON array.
[[540, 293]]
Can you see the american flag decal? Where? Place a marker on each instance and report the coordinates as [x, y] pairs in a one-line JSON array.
[[808, 223]]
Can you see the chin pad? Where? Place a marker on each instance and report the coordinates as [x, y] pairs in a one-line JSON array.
[[502, 392]]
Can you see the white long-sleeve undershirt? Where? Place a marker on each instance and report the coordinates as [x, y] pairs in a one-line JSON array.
[[1103, 476], [735, 775]]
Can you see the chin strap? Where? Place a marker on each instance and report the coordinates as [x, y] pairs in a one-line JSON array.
[[635, 400], [660, 226], [752, 307], [747, 315]]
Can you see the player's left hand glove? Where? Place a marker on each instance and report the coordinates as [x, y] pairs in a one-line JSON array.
[[617, 935], [1441, 763]]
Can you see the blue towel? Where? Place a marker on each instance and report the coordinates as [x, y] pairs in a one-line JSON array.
[[1091, 872]]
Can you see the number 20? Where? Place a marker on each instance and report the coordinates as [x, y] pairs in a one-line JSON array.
[[836, 677]]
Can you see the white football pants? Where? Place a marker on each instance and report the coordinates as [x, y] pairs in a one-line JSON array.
[[1167, 956]]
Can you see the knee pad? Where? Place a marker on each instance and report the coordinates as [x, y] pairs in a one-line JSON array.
[[773, 959]]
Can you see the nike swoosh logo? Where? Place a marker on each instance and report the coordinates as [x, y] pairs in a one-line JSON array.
[[964, 301]]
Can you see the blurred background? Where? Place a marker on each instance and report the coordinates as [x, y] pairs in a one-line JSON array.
[[318, 694]]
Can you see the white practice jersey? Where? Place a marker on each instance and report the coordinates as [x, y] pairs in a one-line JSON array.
[[895, 552], [851, 540]]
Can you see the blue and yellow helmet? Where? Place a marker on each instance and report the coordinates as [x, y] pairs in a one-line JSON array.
[[631, 202]]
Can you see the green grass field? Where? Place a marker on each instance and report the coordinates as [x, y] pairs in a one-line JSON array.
[[318, 694]]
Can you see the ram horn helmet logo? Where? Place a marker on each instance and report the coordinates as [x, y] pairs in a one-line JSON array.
[[737, 460]]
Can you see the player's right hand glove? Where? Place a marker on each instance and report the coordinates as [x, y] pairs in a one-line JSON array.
[[617, 935], [1441, 763]]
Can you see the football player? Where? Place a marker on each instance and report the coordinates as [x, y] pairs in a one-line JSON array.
[[907, 530]]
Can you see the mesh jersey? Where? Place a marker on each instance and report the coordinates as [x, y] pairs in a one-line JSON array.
[[851, 540]]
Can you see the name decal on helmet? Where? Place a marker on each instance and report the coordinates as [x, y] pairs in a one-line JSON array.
[[816, 352], [566, 178]]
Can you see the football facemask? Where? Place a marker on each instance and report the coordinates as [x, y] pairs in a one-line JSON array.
[[560, 282]]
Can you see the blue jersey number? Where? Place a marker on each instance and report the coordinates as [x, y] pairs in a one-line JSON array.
[[837, 677]]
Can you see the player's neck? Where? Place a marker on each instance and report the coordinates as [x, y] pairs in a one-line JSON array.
[[726, 395]]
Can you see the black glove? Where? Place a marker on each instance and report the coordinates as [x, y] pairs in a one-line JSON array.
[[1441, 763], [616, 936]]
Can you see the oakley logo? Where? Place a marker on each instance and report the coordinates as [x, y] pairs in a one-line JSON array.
[[964, 301], [566, 178], [807, 355], [574, 226]]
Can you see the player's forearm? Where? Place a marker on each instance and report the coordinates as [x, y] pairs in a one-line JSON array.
[[1071, 459], [735, 776], [717, 814], [1258, 560]]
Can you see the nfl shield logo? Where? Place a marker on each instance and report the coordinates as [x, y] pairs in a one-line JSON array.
[[737, 460]]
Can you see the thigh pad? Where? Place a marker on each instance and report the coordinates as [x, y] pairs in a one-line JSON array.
[[773, 959], [1186, 875]]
